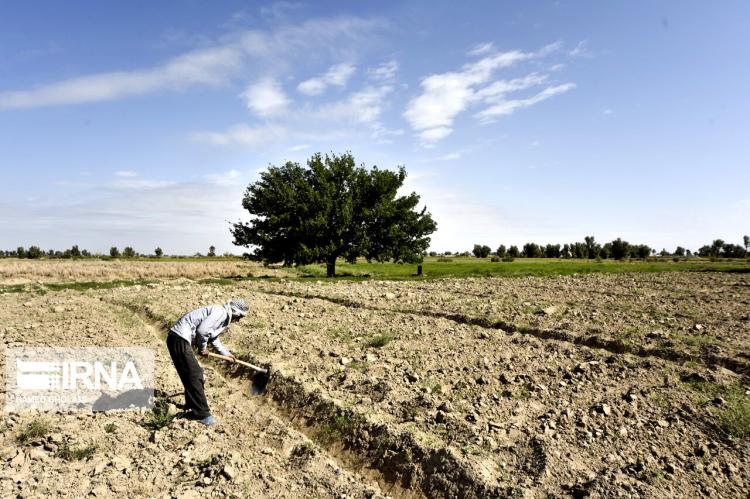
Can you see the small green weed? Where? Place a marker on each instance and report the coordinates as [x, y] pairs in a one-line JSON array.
[[340, 333], [523, 393], [380, 340], [734, 413], [358, 366], [336, 429], [34, 430], [653, 475], [159, 417], [75, 453]]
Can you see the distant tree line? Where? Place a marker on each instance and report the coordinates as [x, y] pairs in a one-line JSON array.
[[35, 252], [718, 248], [616, 250]]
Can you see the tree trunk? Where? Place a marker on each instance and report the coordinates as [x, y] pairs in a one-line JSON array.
[[331, 268]]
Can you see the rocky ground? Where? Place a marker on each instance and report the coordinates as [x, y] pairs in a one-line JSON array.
[[452, 388], [19, 272], [681, 315], [252, 453]]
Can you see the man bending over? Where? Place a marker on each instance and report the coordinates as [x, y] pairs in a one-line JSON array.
[[201, 328]]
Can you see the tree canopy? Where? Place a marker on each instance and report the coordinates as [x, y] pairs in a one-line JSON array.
[[330, 209]]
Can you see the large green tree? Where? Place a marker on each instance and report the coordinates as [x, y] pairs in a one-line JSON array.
[[332, 209]]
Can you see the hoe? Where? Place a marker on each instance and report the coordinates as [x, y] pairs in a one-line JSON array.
[[260, 378]]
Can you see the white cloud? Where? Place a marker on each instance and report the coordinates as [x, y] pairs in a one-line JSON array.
[[432, 135], [200, 67], [299, 147], [445, 95], [313, 86], [337, 75], [504, 107], [607, 111], [364, 106], [126, 173], [482, 48], [549, 49], [242, 135], [498, 89], [580, 50], [449, 157], [266, 98], [385, 72], [231, 177], [132, 184], [249, 51]]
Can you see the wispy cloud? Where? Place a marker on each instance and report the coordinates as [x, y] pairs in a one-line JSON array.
[[449, 157], [126, 173], [580, 50], [248, 51], [199, 67], [266, 98], [504, 107], [231, 177], [242, 135], [364, 106], [337, 75], [140, 184], [482, 48], [385, 72], [445, 95], [357, 112]]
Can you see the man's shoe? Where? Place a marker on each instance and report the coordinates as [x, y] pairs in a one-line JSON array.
[[208, 420]]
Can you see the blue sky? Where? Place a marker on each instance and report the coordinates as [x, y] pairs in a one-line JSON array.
[[141, 123]]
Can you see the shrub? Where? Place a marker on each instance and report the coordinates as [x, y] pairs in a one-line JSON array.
[[495, 259], [445, 260], [508, 258]]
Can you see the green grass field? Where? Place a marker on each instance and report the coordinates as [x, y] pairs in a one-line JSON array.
[[476, 267]]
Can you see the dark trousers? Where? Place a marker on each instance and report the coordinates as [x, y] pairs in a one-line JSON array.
[[191, 375]]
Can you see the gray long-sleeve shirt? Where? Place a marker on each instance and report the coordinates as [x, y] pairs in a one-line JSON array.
[[202, 327]]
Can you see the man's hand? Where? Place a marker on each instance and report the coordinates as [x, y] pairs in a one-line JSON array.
[[232, 358], [204, 352]]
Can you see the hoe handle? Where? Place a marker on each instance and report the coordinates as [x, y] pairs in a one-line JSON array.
[[241, 362]]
